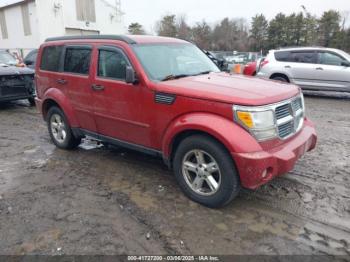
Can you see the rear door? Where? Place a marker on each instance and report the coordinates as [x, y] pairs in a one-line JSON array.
[[76, 81], [332, 74], [301, 67]]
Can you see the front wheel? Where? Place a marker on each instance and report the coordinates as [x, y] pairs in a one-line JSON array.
[[205, 171], [60, 131], [31, 101]]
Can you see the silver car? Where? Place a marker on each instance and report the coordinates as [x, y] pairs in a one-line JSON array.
[[313, 68]]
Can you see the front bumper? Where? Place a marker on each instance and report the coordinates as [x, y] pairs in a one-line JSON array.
[[16, 97], [258, 168]]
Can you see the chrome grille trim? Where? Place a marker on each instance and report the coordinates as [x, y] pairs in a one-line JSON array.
[[289, 116]]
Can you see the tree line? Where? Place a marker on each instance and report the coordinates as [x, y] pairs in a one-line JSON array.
[[296, 29]]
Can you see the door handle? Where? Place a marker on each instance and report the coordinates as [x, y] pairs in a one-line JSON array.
[[319, 68], [288, 67], [97, 87], [61, 81]]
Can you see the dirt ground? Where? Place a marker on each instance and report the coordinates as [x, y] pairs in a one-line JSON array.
[[98, 200]]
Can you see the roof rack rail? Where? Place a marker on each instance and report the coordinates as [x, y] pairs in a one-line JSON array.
[[84, 37], [290, 47]]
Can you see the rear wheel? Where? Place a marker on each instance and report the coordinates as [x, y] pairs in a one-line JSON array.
[[280, 78], [205, 171], [60, 131]]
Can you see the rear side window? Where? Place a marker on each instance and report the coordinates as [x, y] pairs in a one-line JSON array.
[[303, 57], [51, 57], [282, 56], [112, 64], [77, 60]]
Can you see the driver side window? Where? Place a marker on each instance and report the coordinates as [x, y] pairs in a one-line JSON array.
[[112, 64], [327, 58]]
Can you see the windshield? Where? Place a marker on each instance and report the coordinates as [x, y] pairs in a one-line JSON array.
[[7, 59], [346, 55], [170, 61]]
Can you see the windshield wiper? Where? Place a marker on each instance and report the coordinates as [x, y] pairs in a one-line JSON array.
[[204, 73], [172, 77]]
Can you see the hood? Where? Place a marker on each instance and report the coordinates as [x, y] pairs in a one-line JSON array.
[[233, 89], [13, 70]]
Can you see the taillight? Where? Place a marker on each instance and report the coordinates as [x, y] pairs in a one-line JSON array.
[[263, 63]]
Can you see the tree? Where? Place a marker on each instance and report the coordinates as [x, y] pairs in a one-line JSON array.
[[224, 35], [202, 35], [328, 27], [259, 32], [184, 31], [277, 32], [136, 29], [167, 26]]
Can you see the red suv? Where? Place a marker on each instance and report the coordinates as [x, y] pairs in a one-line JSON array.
[[165, 97]]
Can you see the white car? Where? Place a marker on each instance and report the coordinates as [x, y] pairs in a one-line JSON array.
[[313, 68]]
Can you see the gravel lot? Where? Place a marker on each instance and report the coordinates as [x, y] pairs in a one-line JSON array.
[[98, 200]]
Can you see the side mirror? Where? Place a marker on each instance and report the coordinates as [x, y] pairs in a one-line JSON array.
[[346, 64], [130, 77]]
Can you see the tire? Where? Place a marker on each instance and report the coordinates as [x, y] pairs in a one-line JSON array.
[[215, 157], [31, 101], [61, 135], [280, 78]]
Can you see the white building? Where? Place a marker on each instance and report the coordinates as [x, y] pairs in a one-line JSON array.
[[25, 24]]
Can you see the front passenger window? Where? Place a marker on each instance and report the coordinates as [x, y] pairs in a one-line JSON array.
[[112, 64], [331, 59]]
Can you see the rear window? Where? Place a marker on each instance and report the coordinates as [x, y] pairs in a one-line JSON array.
[[50, 60], [303, 57], [282, 56], [77, 60]]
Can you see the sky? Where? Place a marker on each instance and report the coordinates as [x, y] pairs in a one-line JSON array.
[[148, 12]]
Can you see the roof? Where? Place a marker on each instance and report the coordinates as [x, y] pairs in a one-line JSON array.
[[303, 48], [7, 3], [130, 39]]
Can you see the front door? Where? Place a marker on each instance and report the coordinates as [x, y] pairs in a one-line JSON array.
[[302, 68], [333, 72], [118, 106]]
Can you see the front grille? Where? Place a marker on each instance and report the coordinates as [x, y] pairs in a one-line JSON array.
[[290, 117], [297, 104], [17, 90], [285, 130], [282, 111]]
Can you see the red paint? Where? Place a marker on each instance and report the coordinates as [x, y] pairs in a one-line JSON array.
[[203, 103], [250, 69]]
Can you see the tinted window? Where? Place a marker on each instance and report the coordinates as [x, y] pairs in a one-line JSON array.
[[77, 60], [112, 64], [282, 56], [303, 57], [50, 60], [331, 59]]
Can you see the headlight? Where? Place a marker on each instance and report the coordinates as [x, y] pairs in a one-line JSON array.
[[260, 122]]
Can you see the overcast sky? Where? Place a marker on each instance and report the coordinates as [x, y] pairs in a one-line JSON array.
[[147, 12]]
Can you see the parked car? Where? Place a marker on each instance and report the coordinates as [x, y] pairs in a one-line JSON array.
[[165, 97], [30, 59], [251, 68], [311, 68], [16, 83]]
